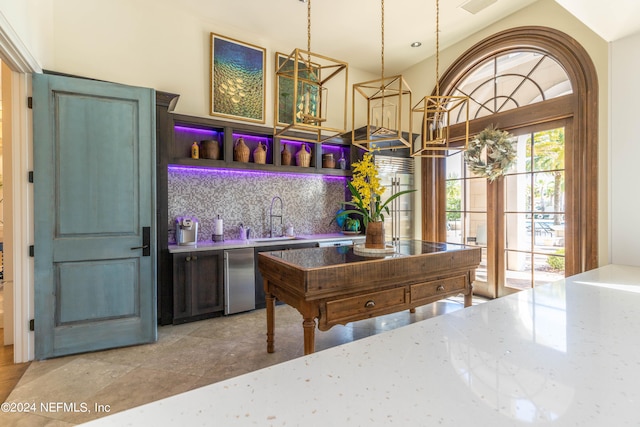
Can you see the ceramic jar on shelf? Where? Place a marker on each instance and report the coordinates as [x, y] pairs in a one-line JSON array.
[[240, 151], [209, 149], [285, 156], [303, 156], [260, 153]]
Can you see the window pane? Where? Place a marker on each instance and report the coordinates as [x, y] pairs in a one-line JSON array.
[[518, 193], [511, 80], [518, 231], [476, 195]]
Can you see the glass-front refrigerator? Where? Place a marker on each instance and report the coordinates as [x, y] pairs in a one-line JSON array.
[[397, 174]]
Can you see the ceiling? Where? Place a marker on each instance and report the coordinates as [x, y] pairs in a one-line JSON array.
[[350, 30]]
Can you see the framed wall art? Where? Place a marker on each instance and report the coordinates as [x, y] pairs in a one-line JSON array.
[[237, 79]]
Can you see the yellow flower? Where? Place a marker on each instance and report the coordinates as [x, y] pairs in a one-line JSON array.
[[366, 190]]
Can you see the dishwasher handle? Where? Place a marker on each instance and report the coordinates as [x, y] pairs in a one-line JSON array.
[[335, 243]]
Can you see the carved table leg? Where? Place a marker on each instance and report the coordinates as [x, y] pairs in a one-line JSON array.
[[468, 298], [412, 310], [271, 303], [309, 327]]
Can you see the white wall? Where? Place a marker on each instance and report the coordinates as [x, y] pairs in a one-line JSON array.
[[32, 21], [625, 151], [153, 43]]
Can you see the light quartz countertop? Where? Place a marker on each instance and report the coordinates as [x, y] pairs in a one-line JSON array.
[[565, 354], [209, 245]]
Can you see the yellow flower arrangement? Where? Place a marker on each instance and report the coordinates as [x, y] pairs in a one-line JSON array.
[[366, 192]]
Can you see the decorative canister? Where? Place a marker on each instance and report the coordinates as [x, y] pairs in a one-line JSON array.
[[303, 156], [209, 149], [240, 151], [342, 162], [285, 156], [328, 161], [260, 153]]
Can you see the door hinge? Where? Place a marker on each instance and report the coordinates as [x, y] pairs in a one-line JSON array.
[[31, 251], [31, 177], [32, 325], [30, 102]]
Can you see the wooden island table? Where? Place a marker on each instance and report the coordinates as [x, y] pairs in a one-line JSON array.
[[335, 285]]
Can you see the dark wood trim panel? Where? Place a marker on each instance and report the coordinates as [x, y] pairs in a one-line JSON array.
[[165, 103]]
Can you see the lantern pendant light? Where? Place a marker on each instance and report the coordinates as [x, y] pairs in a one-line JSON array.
[[301, 97], [438, 113], [386, 99]]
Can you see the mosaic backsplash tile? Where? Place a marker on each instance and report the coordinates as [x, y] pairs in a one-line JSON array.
[[309, 201]]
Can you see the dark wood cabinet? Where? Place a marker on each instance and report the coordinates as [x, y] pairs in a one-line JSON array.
[[198, 283]]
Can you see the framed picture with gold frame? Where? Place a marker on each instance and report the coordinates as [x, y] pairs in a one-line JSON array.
[[237, 79]]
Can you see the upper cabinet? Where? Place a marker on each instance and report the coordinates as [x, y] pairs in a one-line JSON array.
[[220, 144]]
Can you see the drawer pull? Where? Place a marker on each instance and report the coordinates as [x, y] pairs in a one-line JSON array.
[[440, 288], [370, 304]]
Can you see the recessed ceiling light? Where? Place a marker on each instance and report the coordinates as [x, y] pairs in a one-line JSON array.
[[416, 44]]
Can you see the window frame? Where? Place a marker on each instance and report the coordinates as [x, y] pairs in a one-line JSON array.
[[579, 112]]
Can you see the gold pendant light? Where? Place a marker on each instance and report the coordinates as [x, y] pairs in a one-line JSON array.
[[386, 99], [437, 112], [301, 98]]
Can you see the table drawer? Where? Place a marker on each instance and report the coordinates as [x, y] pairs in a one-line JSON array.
[[437, 288], [358, 306]]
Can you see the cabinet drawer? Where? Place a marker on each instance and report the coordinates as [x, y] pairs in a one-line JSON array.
[[359, 306], [437, 288]]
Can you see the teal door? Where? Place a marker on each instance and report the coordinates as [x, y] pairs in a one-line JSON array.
[[94, 204]]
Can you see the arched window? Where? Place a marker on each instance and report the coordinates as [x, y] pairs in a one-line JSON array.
[[510, 80], [540, 85]]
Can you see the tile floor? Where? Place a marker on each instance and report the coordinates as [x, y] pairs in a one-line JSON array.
[[185, 357]]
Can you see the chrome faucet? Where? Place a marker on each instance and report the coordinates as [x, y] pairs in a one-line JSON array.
[[271, 215]]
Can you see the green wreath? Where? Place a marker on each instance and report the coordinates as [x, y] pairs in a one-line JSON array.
[[501, 153]]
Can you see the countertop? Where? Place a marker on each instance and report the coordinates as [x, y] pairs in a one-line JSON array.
[[561, 354], [209, 245], [310, 258]]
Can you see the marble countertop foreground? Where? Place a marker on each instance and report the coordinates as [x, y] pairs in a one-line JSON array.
[[562, 354]]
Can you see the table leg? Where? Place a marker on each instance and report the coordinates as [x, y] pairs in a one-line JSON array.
[[468, 298], [271, 303], [309, 327]]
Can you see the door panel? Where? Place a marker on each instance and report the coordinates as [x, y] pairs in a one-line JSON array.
[[94, 193]]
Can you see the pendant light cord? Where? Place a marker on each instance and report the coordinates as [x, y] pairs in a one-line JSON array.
[[309, 26], [437, 47], [382, 43]]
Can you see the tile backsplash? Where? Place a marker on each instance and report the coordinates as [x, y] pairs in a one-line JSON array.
[[309, 201]]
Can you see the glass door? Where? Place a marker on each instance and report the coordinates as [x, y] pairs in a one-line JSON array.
[[534, 211], [518, 220], [466, 212]]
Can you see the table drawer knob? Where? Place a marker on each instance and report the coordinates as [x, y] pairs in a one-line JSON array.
[[440, 288], [370, 304]]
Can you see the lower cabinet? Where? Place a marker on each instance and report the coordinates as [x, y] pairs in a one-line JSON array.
[[198, 284]]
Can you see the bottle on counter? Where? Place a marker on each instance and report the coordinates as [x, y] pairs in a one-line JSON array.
[[195, 150]]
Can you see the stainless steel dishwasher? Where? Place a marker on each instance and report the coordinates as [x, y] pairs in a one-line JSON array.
[[239, 281]]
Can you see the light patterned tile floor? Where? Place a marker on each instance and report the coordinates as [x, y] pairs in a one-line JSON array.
[[185, 357]]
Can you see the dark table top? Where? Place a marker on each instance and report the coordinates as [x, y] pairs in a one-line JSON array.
[[311, 258]]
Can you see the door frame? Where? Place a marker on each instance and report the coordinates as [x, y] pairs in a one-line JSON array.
[[19, 139]]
